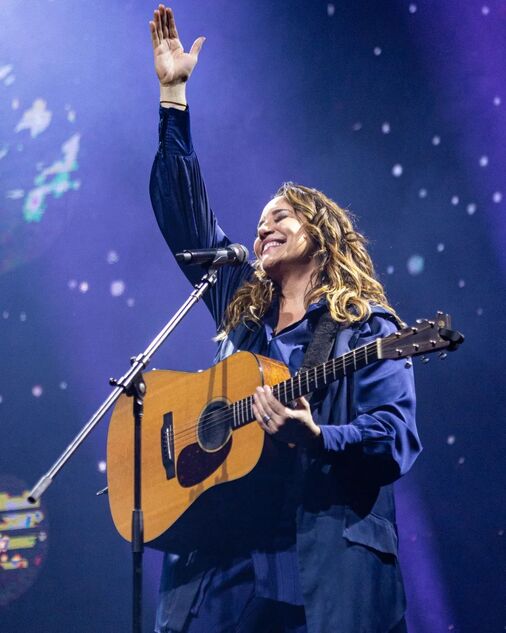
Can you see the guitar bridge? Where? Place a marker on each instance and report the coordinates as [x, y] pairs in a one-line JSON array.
[[167, 444]]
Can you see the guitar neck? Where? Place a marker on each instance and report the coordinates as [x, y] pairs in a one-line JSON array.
[[305, 382]]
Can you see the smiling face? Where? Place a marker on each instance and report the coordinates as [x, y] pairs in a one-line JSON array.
[[282, 245]]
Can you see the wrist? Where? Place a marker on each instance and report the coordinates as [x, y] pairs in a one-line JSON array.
[[175, 94]]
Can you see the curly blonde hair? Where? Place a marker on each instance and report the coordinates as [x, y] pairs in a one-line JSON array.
[[344, 276]]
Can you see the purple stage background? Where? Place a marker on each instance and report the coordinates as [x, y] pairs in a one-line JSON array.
[[395, 109]]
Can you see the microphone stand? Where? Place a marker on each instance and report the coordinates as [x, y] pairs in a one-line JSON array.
[[132, 384]]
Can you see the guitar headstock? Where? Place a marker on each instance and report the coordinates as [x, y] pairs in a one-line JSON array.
[[425, 337]]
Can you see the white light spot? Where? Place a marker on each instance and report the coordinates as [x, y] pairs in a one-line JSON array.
[[422, 193], [436, 140], [412, 8], [10, 80], [462, 283], [331, 9], [117, 288], [397, 170], [102, 467], [497, 197], [5, 71], [1, 399], [5, 314], [450, 440], [471, 208], [112, 257], [500, 532], [455, 200], [462, 460], [22, 316], [377, 51], [72, 284], [84, 286], [63, 385], [36, 119], [390, 270], [15, 194], [37, 391], [385, 127], [356, 126], [479, 311], [440, 247], [416, 264], [483, 161], [71, 116], [497, 101], [485, 10], [130, 302]]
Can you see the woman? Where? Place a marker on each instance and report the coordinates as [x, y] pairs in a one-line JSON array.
[[317, 548]]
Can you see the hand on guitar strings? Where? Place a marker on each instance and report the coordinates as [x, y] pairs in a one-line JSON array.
[[286, 424]]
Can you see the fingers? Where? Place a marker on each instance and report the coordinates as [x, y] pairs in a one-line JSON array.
[[197, 46], [171, 23], [154, 35]]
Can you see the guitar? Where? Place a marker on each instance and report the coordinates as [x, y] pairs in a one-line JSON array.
[[197, 432]]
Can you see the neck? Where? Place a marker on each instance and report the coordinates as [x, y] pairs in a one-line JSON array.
[[294, 287]]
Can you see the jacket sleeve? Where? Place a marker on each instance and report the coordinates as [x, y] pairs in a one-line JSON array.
[[179, 198], [382, 427]]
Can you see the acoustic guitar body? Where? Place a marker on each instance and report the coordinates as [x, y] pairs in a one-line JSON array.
[[187, 449]]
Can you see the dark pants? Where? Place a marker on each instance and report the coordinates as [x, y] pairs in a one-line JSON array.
[[228, 605]]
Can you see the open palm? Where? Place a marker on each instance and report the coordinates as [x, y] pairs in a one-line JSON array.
[[172, 64]]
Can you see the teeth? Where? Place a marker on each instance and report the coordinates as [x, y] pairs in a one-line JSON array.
[[273, 244]]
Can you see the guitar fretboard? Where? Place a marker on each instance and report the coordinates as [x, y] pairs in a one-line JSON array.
[[303, 383]]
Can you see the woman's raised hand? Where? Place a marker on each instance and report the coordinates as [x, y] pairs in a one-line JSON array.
[[173, 66]]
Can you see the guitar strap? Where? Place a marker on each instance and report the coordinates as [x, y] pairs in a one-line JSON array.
[[321, 344]]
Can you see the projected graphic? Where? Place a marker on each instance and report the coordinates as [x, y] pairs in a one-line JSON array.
[[23, 539], [39, 148]]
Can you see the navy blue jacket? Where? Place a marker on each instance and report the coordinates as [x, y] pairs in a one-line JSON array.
[[346, 533]]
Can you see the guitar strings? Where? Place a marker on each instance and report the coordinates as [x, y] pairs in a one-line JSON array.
[[222, 415]]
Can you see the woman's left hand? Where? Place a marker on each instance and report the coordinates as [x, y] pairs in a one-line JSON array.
[[290, 425]]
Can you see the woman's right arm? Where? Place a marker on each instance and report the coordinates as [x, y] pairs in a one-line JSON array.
[[177, 189]]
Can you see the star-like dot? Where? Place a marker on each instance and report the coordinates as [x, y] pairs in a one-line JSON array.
[[377, 51], [471, 208], [462, 283], [450, 440], [72, 283], [102, 466], [1, 399], [497, 197], [356, 126], [390, 270], [63, 385], [37, 391], [84, 286], [385, 127], [455, 200], [112, 257], [462, 460], [440, 247], [117, 288], [331, 9], [412, 8], [422, 193], [485, 10], [22, 316], [415, 264], [397, 170], [130, 302], [483, 161], [479, 311], [436, 140], [5, 314]]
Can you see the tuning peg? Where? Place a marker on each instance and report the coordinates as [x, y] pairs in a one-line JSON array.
[[425, 359], [408, 364], [442, 355]]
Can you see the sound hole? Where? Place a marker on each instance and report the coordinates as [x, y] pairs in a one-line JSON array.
[[214, 426]]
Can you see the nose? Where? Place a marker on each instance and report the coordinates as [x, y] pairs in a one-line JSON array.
[[264, 230]]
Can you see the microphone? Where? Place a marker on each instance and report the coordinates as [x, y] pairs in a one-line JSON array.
[[233, 254]]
